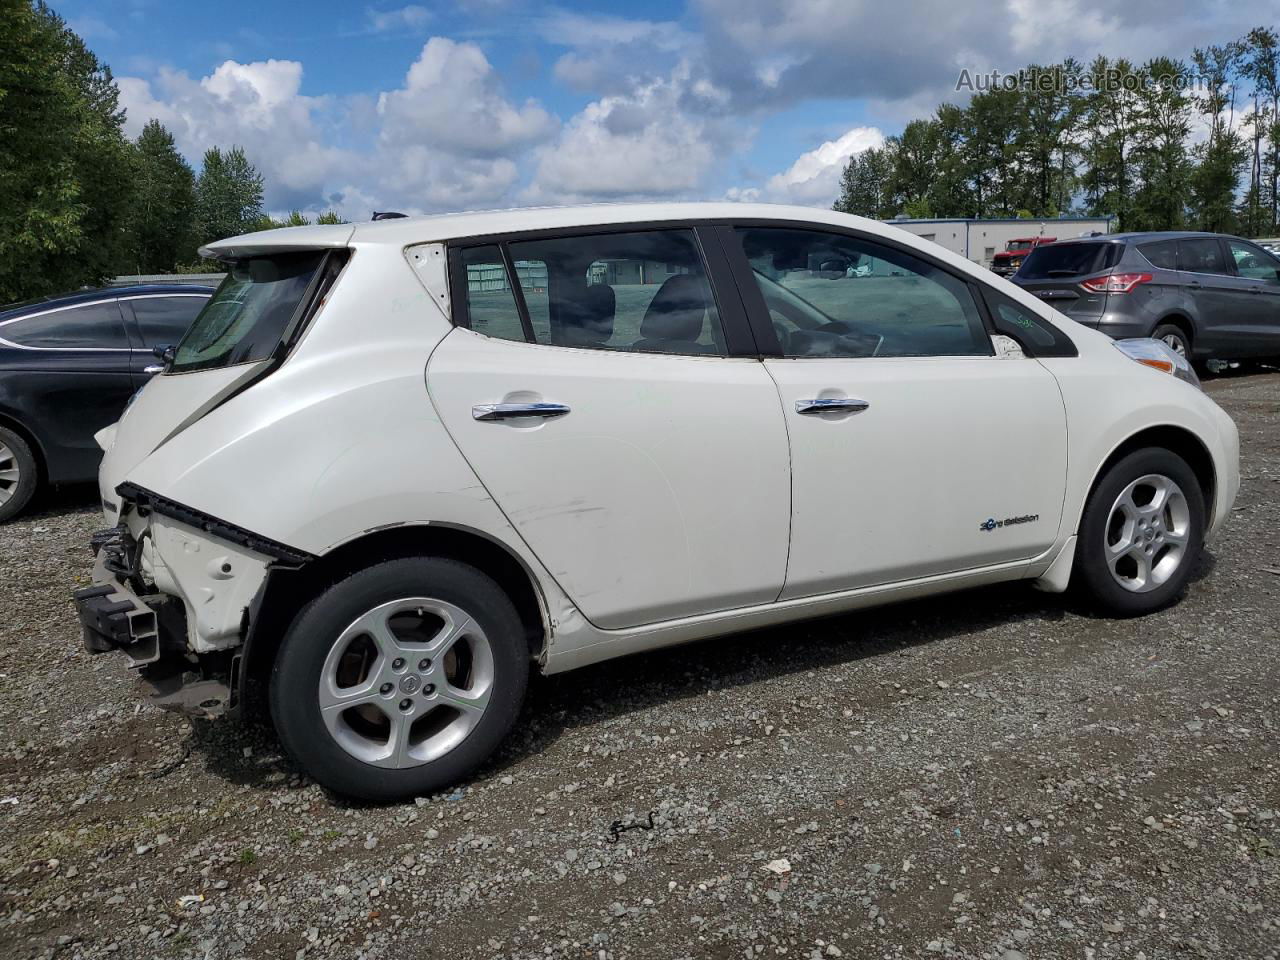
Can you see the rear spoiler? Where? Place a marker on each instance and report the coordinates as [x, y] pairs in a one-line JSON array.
[[282, 240]]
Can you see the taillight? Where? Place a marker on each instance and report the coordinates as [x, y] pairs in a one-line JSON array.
[[1115, 283]]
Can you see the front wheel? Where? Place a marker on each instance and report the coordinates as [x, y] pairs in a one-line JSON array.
[[1142, 531], [400, 679]]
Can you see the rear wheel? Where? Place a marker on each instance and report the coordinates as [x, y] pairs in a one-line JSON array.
[[1175, 338], [401, 679], [18, 473], [1141, 533]]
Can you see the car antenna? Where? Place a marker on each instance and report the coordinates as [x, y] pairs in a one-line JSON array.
[[388, 215]]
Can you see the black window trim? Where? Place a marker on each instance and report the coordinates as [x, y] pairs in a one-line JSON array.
[[115, 301], [740, 341], [758, 312], [986, 304]]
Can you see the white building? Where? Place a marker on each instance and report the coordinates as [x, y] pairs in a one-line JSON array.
[[980, 240]]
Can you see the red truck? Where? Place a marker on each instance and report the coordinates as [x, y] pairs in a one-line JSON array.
[[1007, 261]]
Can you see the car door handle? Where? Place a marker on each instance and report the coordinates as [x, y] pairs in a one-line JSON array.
[[153, 369], [510, 411], [831, 405], [1255, 289]]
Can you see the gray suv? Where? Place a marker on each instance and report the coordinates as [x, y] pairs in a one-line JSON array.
[[1204, 294]]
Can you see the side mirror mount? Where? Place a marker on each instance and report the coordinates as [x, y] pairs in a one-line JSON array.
[[164, 353]]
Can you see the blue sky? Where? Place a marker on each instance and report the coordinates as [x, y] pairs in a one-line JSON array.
[[481, 103]]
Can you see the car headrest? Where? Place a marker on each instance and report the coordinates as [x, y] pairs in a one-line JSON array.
[[678, 310], [588, 316]]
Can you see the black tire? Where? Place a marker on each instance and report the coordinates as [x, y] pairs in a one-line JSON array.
[[1181, 342], [19, 458], [295, 677], [1091, 574]]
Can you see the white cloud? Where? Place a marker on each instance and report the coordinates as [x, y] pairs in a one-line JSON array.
[[258, 106], [647, 143], [408, 18], [814, 178], [452, 100]]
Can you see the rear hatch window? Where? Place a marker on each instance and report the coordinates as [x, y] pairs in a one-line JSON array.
[[249, 314], [1066, 260], [1053, 273]]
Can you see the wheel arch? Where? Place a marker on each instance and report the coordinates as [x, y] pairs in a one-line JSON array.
[[1178, 318], [1178, 440], [287, 590]]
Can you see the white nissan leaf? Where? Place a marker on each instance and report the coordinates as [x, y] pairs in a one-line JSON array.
[[394, 466]]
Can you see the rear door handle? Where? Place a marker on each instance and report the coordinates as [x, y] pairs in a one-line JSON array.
[[153, 369], [831, 405], [510, 411]]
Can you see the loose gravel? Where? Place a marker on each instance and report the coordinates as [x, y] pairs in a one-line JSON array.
[[994, 774]]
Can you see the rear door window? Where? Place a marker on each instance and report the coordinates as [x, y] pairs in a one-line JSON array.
[[94, 326], [641, 291], [1201, 255], [1163, 254], [1062, 261], [249, 313], [162, 321]]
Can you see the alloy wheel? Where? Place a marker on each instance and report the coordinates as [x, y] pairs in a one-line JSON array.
[[1175, 343], [406, 682], [10, 473], [1148, 530]]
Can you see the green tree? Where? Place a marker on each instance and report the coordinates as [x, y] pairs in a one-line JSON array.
[[1160, 156], [1109, 120], [1221, 157], [330, 217], [160, 224], [228, 196], [863, 186], [65, 164]]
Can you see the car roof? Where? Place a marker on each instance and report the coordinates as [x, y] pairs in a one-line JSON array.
[[98, 294], [404, 231]]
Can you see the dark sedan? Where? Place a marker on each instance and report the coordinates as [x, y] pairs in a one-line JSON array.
[[1207, 295], [68, 366]]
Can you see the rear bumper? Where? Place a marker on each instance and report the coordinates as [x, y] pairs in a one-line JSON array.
[[150, 629]]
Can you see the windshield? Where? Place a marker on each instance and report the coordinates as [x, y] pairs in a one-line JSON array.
[[245, 319], [1068, 260], [1015, 245]]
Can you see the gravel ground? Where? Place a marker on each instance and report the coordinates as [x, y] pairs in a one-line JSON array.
[[995, 774]]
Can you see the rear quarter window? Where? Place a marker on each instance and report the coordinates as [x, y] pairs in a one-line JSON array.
[[1163, 254]]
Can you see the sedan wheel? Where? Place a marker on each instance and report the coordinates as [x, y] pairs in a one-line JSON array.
[[17, 473], [400, 679], [1141, 533]]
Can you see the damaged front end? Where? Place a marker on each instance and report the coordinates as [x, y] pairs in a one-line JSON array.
[[172, 589]]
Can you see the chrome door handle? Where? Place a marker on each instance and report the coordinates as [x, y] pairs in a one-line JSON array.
[[154, 368], [510, 411], [831, 405]]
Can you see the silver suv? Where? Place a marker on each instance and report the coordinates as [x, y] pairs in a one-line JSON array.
[[1204, 294]]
